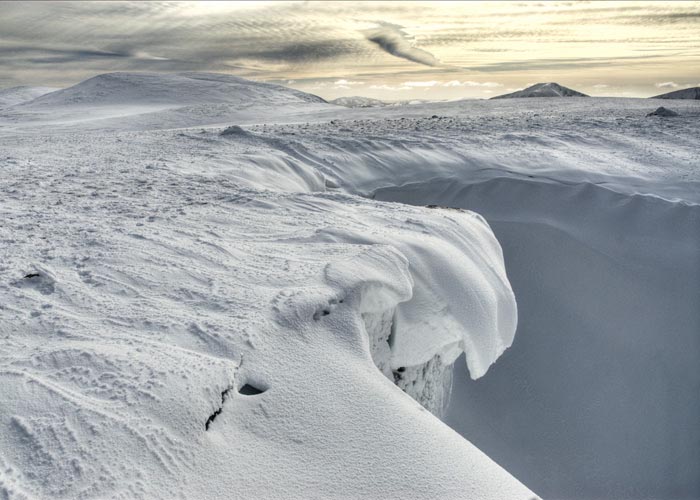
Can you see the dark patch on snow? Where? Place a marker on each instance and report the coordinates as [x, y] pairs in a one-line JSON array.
[[325, 311], [661, 111], [251, 390], [234, 130], [216, 413]]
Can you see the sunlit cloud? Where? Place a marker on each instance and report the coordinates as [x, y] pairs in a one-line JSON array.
[[395, 41], [445, 49]]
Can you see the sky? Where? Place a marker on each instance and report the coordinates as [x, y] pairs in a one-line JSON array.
[[386, 50]]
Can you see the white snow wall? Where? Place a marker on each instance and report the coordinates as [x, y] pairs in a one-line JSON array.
[[598, 397], [459, 301]]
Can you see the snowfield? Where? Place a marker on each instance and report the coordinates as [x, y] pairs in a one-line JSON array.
[[208, 289]]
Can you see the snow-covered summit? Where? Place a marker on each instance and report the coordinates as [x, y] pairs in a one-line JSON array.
[[358, 102], [550, 89], [691, 93], [16, 95], [178, 89]]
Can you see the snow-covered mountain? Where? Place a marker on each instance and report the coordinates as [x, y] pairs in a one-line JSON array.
[[17, 95], [178, 89], [543, 90], [227, 297], [161, 100], [358, 102], [690, 93]]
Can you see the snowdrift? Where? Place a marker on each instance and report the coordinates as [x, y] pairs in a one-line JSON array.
[[198, 295], [596, 399], [170, 330]]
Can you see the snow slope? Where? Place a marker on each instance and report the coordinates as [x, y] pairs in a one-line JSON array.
[[141, 101], [596, 399], [691, 93], [17, 95], [176, 265], [550, 89], [172, 326]]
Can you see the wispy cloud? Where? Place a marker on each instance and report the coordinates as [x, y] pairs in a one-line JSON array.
[[392, 39], [399, 45], [666, 85]]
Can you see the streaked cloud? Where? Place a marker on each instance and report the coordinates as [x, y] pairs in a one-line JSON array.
[[395, 41], [436, 50]]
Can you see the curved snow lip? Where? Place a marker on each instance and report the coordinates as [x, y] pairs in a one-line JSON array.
[[459, 298]]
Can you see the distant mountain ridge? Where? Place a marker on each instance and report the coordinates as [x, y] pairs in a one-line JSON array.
[[18, 95], [358, 102], [170, 89], [691, 93], [549, 89]]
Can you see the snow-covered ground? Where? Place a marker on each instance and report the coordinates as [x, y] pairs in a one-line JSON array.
[[206, 289]]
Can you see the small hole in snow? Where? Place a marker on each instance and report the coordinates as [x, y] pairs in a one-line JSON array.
[[326, 312], [401, 369], [250, 390]]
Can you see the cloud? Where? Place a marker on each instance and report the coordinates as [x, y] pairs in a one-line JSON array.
[[393, 40], [600, 86], [469, 83], [345, 82], [388, 87], [431, 83], [666, 85]]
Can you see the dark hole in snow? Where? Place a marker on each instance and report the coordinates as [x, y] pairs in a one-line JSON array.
[[250, 390], [216, 413], [32, 275], [401, 369]]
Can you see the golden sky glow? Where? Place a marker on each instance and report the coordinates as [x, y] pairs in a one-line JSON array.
[[389, 50]]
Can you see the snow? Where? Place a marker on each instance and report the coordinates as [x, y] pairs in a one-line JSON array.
[[550, 89], [661, 111], [690, 93], [187, 312], [220, 294], [358, 102], [18, 95]]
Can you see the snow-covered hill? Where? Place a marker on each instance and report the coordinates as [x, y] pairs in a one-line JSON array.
[[691, 93], [17, 95], [358, 102], [550, 89], [161, 100], [189, 312]]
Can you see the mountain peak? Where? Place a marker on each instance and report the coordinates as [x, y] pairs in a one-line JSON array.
[[546, 89]]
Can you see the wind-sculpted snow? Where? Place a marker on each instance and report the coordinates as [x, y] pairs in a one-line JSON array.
[[168, 331], [602, 377], [195, 300]]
